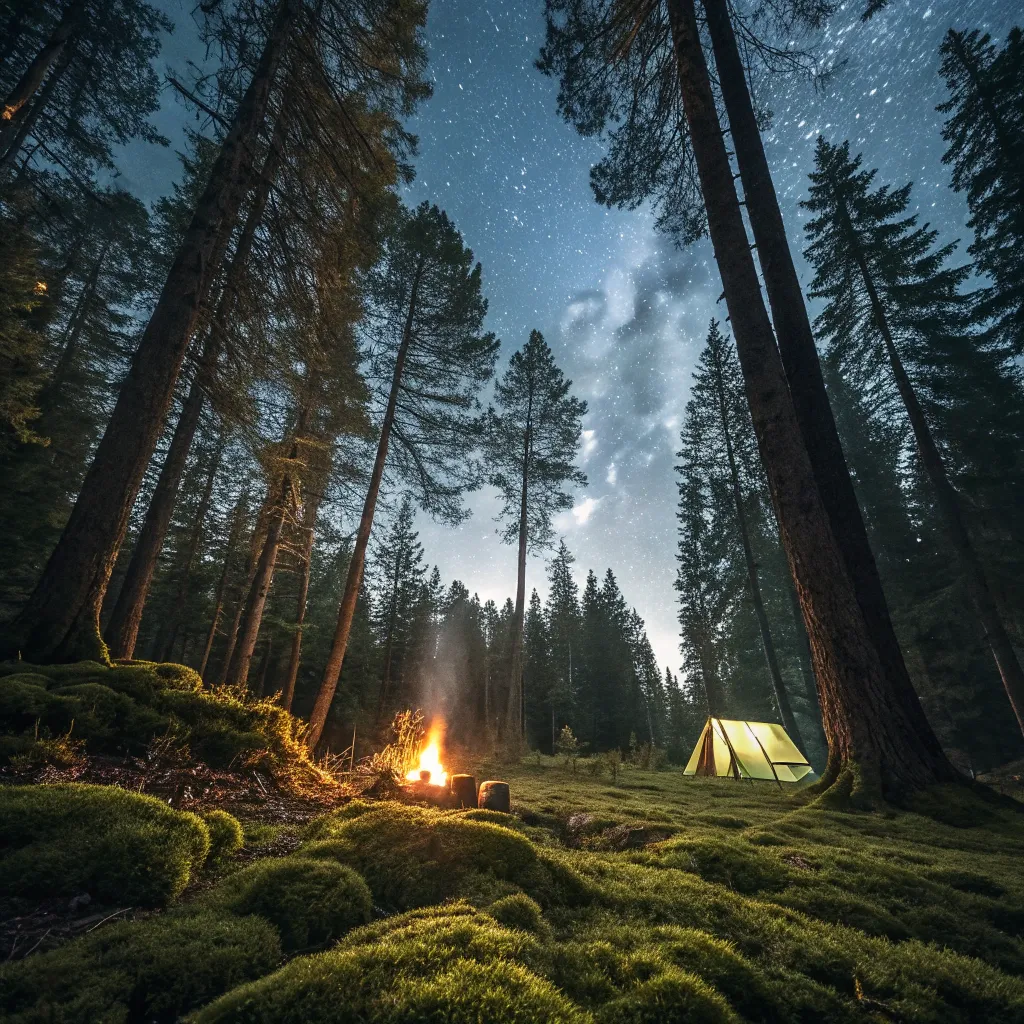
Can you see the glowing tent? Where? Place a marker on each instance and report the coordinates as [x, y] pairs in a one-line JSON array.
[[747, 750]]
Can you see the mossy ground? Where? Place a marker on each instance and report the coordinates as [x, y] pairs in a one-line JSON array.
[[657, 899]]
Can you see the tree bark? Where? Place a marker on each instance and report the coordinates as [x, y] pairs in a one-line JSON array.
[[60, 621], [195, 538], [513, 715], [294, 657], [218, 608], [332, 671], [123, 627], [263, 578], [800, 360], [778, 685], [876, 745], [946, 496], [33, 76]]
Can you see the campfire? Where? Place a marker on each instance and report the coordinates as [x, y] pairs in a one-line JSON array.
[[430, 771]]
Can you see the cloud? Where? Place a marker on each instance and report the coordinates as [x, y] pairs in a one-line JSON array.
[[581, 512]]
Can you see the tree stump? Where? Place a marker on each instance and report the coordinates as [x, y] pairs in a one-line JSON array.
[[464, 790], [494, 796]]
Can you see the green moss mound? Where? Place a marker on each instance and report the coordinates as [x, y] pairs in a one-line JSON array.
[[443, 964], [412, 857], [153, 971], [310, 902], [226, 834], [672, 996], [122, 709], [518, 911], [122, 847]]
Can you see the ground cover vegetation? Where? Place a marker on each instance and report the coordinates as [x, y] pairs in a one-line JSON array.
[[656, 897]]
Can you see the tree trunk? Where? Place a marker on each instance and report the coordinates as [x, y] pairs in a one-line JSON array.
[[877, 745], [778, 685], [347, 610], [513, 715], [75, 327], [202, 510], [259, 588], [123, 627], [218, 608], [34, 74], [16, 131], [946, 496], [800, 360], [294, 658], [60, 621]]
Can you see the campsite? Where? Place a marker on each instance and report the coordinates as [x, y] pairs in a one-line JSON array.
[[510, 512]]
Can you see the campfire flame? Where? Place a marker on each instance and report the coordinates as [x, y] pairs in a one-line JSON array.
[[430, 763]]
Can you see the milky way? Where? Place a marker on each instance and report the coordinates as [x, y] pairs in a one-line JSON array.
[[623, 309]]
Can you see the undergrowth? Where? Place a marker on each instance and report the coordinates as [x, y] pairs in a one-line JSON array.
[[52, 714], [741, 903]]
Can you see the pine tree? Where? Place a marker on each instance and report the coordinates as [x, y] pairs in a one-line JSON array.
[[985, 136], [562, 612], [887, 287], [532, 436], [624, 63], [426, 312]]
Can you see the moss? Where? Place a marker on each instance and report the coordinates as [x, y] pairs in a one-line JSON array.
[[407, 969], [518, 911], [119, 846], [226, 835], [310, 902], [494, 817], [672, 996], [736, 865], [412, 857], [33, 678], [153, 971]]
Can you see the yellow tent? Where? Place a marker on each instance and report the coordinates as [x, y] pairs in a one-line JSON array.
[[747, 750]]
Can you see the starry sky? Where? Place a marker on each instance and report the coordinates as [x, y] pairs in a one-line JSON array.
[[624, 310]]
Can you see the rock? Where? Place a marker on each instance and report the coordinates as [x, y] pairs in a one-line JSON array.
[[464, 790], [495, 796]]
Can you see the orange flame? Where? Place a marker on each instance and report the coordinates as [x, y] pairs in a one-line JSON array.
[[430, 761]]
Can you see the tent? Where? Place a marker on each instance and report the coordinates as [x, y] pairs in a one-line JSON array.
[[747, 750]]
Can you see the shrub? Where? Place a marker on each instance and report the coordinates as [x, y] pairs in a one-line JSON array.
[[226, 835], [153, 971], [310, 902], [412, 857], [122, 847]]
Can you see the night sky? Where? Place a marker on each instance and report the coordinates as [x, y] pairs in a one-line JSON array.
[[624, 310]]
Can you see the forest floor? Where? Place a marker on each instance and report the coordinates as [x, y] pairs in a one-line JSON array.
[[647, 897]]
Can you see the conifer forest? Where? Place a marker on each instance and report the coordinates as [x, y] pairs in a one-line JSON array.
[[511, 511]]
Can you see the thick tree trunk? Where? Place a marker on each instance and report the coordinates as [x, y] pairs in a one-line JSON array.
[[946, 497], [347, 610], [60, 621], [34, 74], [877, 746], [222, 583], [295, 655], [800, 358], [778, 685], [195, 539], [513, 716], [123, 627]]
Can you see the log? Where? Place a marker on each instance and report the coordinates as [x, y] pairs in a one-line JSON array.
[[464, 790], [494, 796]]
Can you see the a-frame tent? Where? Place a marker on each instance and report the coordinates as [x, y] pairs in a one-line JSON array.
[[747, 750]]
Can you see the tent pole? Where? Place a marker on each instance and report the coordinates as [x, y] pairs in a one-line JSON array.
[[732, 753]]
